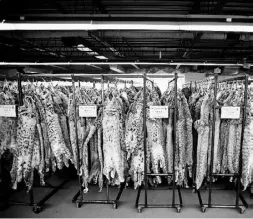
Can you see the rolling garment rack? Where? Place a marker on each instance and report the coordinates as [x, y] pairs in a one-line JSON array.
[[146, 174], [79, 201], [37, 206], [239, 195], [83, 77]]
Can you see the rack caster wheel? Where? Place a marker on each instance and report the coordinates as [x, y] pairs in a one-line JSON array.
[[139, 210], [178, 209], [203, 209], [78, 205], [242, 210], [115, 206], [37, 209]]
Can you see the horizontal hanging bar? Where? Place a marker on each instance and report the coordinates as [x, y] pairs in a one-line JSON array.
[[161, 15], [100, 75], [130, 25], [225, 174], [159, 174], [119, 63]]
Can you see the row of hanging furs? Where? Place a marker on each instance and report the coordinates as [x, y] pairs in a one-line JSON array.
[[227, 136], [43, 136]]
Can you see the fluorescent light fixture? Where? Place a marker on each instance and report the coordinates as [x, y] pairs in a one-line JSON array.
[[135, 25], [112, 49], [53, 54], [83, 48], [39, 49], [92, 53], [101, 57]]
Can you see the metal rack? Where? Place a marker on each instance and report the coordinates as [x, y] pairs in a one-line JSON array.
[[146, 174], [239, 195], [37, 206], [79, 201]]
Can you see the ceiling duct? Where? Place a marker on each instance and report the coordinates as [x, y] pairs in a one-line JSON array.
[[75, 41], [176, 35], [80, 35]]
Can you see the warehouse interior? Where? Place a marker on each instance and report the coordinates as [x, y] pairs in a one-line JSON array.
[[121, 39]]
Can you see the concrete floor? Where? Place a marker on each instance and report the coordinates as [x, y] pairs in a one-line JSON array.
[[60, 205]]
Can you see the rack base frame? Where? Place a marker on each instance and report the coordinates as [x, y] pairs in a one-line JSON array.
[[140, 206], [38, 206], [241, 208], [80, 201]]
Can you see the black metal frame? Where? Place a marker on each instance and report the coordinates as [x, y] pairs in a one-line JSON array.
[[239, 195], [146, 175], [37, 206], [80, 201]]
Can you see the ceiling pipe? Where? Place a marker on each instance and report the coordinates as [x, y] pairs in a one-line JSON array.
[[127, 34], [93, 25], [175, 35]]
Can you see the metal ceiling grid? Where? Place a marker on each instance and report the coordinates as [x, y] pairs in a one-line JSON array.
[[157, 46], [130, 6], [61, 9]]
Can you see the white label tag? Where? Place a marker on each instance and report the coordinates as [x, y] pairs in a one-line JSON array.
[[158, 112], [7, 110], [87, 111], [230, 112]]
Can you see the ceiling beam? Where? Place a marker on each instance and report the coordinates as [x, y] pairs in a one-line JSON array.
[[196, 7], [32, 46], [58, 6], [99, 6], [219, 6], [136, 66], [195, 40], [188, 52], [96, 37]]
